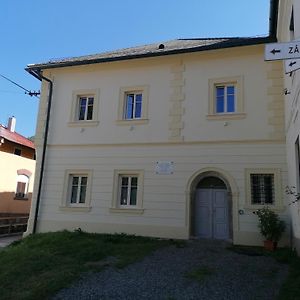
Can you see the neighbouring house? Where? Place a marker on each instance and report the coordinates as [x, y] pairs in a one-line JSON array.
[[179, 139], [288, 30], [17, 161]]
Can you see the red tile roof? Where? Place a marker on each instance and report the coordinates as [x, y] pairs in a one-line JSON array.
[[15, 137]]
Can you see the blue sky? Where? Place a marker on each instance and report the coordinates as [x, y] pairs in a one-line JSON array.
[[34, 31]]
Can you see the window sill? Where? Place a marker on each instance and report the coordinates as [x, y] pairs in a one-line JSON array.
[[255, 207], [132, 122], [136, 211], [229, 116], [21, 198], [83, 123], [74, 208]]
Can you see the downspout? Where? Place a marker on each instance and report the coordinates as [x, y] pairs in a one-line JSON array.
[[273, 18], [37, 74]]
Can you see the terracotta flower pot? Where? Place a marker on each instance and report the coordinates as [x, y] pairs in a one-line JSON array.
[[270, 245]]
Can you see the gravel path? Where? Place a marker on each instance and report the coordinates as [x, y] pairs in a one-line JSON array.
[[164, 275]]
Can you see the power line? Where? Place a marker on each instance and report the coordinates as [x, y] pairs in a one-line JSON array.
[[27, 92]]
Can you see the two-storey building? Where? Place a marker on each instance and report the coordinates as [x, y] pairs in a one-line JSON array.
[[179, 139]]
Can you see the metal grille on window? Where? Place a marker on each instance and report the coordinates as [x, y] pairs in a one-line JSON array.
[[262, 188]]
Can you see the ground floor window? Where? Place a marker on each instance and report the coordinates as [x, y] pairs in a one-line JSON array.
[[77, 191], [78, 188], [22, 186], [128, 190], [264, 187]]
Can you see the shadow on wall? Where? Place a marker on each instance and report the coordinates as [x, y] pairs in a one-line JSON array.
[[10, 204]]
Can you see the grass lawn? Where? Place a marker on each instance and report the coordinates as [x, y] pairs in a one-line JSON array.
[[40, 265], [290, 289]]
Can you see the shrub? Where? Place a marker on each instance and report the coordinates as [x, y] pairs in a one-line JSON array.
[[269, 224]]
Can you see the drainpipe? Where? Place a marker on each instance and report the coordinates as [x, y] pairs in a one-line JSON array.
[[37, 74]]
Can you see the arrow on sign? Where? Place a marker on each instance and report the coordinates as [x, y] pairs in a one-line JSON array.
[[281, 51], [274, 51], [291, 65]]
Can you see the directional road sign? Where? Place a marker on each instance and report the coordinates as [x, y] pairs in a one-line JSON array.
[[291, 65], [280, 51]]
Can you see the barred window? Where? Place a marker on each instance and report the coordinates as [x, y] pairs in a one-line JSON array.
[[262, 189]]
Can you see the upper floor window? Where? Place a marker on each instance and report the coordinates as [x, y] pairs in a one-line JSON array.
[[85, 108], [84, 111], [225, 98], [133, 105], [17, 151]]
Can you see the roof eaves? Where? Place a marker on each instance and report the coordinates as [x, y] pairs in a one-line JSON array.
[[234, 42]]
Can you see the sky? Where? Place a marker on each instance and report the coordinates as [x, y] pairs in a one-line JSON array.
[[34, 31]]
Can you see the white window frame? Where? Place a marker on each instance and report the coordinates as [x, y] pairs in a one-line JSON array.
[[238, 83], [135, 94], [66, 197], [225, 86], [116, 201], [278, 193], [122, 110], [80, 186], [86, 107], [75, 108]]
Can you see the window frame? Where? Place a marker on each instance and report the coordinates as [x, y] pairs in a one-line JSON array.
[[18, 149], [66, 203], [116, 203], [18, 195], [237, 82], [278, 194], [124, 91], [75, 108]]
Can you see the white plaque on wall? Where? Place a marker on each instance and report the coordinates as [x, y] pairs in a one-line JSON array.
[[164, 167]]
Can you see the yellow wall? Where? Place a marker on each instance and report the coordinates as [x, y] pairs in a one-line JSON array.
[[178, 129], [10, 164]]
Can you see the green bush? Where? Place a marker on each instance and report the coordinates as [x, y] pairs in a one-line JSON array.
[[269, 224]]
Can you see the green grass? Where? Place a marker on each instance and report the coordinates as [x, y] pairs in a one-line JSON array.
[[290, 290], [200, 273], [41, 264]]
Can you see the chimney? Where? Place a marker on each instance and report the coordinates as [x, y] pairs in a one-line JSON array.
[[11, 126]]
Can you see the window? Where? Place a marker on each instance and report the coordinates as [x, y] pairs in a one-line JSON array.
[[226, 98], [78, 186], [84, 110], [128, 191], [263, 187], [17, 151], [77, 191], [133, 105], [22, 187]]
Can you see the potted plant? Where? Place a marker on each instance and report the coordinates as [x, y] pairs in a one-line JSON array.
[[270, 226]]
